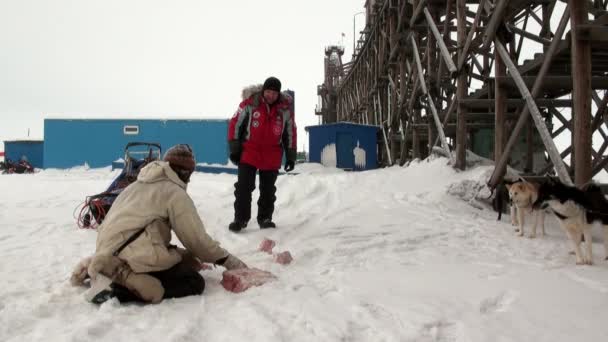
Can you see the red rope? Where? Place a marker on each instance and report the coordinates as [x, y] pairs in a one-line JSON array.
[[86, 220]]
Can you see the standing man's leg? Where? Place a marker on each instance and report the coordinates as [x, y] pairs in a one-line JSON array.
[[243, 188], [267, 198]]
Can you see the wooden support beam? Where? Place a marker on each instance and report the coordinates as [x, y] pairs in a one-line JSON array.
[[603, 148], [536, 18], [444, 50], [562, 155], [529, 35], [555, 83], [581, 74], [461, 89], [467, 44], [429, 98], [541, 102], [500, 99], [562, 172], [561, 118], [446, 32], [603, 164], [495, 20], [557, 132], [501, 166], [446, 116], [453, 127], [602, 109], [417, 11]]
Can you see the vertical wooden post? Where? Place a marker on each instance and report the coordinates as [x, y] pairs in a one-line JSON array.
[[430, 65], [500, 98], [530, 129], [461, 89], [431, 136], [416, 136], [581, 109]]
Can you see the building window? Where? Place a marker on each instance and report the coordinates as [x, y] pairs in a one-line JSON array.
[[130, 130]]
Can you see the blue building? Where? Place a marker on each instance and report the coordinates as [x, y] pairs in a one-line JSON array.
[[32, 150], [99, 142], [344, 145]]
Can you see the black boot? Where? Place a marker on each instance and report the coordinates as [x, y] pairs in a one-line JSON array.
[[266, 223], [236, 226]]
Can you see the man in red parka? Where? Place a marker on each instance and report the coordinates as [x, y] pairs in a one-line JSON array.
[[262, 129]]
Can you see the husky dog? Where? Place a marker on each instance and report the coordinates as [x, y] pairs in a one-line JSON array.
[[523, 196], [578, 211]]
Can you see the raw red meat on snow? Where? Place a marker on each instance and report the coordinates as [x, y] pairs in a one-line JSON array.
[[267, 245], [240, 280], [283, 258]]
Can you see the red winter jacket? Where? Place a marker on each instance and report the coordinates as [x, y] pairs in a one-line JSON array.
[[264, 131]]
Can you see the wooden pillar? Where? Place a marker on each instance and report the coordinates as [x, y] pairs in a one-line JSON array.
[[500, 98], [431, 64], [581, 108], [416, 136], [461, 89], [530, 128], [431, 136]]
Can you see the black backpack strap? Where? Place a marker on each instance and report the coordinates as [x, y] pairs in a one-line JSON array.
[[129, 240]]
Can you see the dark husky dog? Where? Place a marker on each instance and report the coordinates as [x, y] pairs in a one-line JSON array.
[[502, 199], [578, 211]]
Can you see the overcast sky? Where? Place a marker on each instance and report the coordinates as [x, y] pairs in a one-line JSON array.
[[160, 58]]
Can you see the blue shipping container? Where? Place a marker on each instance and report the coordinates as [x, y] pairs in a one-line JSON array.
[[344, 145], [99, 142]]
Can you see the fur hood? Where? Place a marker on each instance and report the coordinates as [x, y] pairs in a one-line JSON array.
[[250, 90]]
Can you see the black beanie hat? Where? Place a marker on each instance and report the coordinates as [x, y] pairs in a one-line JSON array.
[[272, 83]]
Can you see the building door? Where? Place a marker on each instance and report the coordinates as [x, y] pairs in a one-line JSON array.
[[344, 149]]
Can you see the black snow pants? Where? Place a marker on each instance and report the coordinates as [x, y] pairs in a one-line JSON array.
[[180, 280], [245, 185]]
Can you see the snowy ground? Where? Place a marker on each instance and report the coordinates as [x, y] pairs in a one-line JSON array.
[[385, 255]]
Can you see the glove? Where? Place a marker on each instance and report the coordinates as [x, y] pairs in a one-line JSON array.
[[233, 263], [289, 165], [290, 156], [235, 151]]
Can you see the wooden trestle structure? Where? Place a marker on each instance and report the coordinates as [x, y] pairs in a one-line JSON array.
[[429, 73]]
